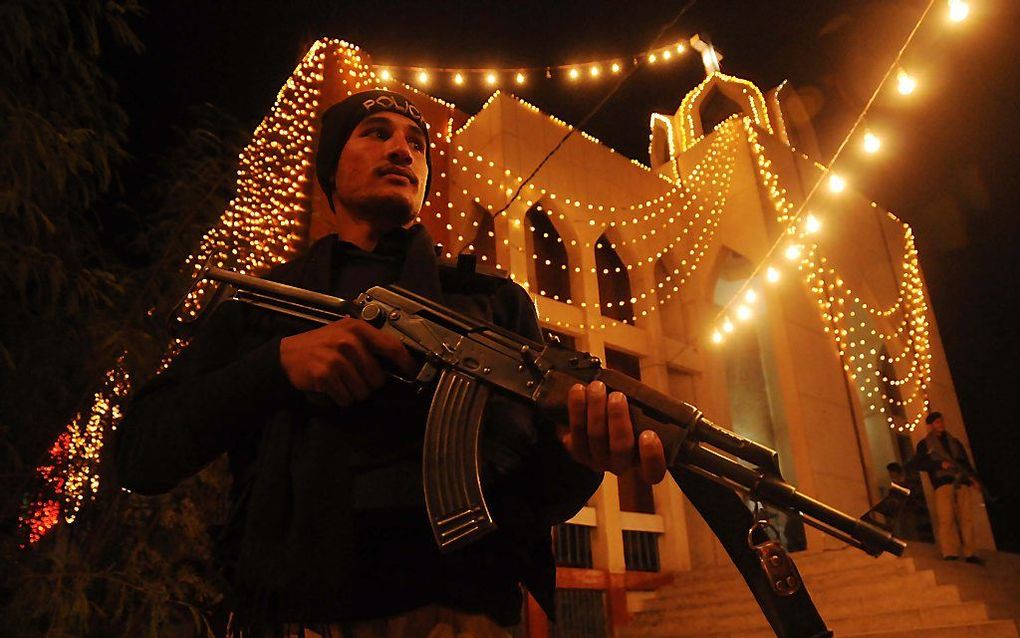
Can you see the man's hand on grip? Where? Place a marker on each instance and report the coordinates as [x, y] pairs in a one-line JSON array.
[[344, 360]]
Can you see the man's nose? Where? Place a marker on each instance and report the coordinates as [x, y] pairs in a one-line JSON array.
[[399, 151]]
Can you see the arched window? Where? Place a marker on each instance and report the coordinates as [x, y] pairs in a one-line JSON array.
[[671, 313], [552, 268], [614, 284], [659, 149], [890, 387], [716, 108]]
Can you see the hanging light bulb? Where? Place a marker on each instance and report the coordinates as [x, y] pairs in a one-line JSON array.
[[792, 252], [520, 78], [385, 75], [743, 312], [615, 68], [871, 142], [667, 54], [727, 325], [812, 224], [574, 74], [458, 79], [772, 274], [490, 79], [652, 58], [594, 71], [751, 296], [958, 10], [680, 48], [716, 337], [423, 77], [836, 183], [905, 83]]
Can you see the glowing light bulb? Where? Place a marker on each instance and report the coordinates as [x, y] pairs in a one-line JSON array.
[[458, 79], [836, 183], [958, 10], [792, 252], [490, 79], [519, 78], [615, 68], [680, 47], [423, 77], [905, 83], [385, 75], [574, 74], [667, 54], [743, 313], [652, 58], [750, 296], [727, 325], [812, 224], [772, 274], [871, 142], [716, 337], [594, 71]]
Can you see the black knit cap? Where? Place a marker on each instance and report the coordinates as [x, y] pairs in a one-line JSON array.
[[340, 120], [931, 417]]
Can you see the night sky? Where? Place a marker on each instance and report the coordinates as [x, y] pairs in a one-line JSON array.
[[948, 165]]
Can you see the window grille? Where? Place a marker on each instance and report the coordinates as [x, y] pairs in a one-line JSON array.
[[580, 613], [641, 551], [572, 545]]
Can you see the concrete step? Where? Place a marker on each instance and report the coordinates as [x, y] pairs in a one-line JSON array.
[[925, 617], [990, 629], [918, 596], [833, 604], [807, 563], [873, 584]]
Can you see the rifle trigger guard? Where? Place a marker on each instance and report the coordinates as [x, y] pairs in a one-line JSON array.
[[779, 568]]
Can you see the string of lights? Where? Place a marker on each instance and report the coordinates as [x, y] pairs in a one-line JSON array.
[[830, 290], [885, 349], [490, 78]]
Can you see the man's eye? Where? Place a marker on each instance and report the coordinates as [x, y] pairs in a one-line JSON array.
[[418, 145]]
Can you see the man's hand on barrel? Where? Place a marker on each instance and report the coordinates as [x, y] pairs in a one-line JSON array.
[[600, 434]]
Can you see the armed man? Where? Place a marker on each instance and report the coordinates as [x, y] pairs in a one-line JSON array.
[[952, 476], [327, 531]]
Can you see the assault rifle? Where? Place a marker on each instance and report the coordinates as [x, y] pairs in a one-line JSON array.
[[468, 358]]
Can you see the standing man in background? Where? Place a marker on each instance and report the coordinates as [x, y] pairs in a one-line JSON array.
[[953, 478]]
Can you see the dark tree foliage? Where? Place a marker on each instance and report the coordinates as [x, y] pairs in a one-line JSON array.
[[130, 566]]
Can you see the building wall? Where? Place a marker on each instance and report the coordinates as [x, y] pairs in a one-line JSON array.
[[833, 443], [820, 420]]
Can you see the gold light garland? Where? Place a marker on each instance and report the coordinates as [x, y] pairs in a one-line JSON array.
[[460, 78], [264, 225]]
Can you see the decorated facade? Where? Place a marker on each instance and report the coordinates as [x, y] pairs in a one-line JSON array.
[[806, 328]]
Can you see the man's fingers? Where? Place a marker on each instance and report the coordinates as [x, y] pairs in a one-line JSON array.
[[386, 345], [621, 433], [365, 362], [653, 460], [348, 372], [577, 435], [598, 439], [334, 387]]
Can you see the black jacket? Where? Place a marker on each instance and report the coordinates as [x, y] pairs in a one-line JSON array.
[[320, 529]]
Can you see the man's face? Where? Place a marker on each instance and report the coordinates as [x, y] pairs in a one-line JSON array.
[[381, 175], [938, 425]]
